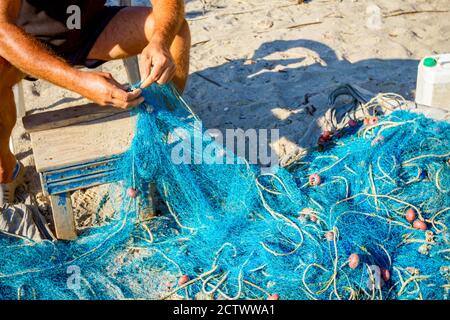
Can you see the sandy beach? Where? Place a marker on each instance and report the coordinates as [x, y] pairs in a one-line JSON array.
[[263, 64]]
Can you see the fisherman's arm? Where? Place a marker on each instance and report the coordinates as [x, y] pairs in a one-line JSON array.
[[157, 62], [32, 57]]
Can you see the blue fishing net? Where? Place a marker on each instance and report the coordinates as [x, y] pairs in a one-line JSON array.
[[333, 225]]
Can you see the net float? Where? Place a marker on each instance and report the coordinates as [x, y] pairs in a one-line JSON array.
[[420, 225], [353, 261], [132, 193], [411, 215], [327, 135], [370, 120], [183, 280], [315, 180], [274, 296], [385, 274], [373, 120]]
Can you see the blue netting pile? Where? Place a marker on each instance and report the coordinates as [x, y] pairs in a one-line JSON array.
[[237, 233]]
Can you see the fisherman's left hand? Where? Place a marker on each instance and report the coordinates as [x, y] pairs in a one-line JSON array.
[[157, 64]]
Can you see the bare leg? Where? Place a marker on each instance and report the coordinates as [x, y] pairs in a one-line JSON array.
[[9, 76], [130, 31]]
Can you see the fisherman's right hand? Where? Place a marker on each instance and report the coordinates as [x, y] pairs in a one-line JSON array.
[[103, 89]]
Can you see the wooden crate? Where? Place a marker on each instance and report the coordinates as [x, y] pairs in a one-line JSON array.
[[76, 148]]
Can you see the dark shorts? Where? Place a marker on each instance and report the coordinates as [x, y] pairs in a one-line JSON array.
[[76, 53], [84, 44]]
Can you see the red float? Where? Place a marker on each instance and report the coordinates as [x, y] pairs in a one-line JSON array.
[[183, 280], [353, 261], [411, 215], [132, 193], [420, 225], [315, 180]]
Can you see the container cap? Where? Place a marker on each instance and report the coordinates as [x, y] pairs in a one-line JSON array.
[[429, 62]]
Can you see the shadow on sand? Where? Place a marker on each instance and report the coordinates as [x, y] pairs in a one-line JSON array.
[[265, 92]]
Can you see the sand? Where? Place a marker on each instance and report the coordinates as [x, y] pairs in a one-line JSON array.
[[263, 64]]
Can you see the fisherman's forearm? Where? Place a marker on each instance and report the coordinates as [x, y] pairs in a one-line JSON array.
[[168, 16], [33, 58]]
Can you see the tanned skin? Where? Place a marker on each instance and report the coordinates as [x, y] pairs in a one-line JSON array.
[[161, 35]]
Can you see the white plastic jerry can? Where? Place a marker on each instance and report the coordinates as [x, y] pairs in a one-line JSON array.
[[433, 81]]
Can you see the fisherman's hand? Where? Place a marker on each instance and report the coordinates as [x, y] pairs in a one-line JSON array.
[[157, 64], [103, 89]]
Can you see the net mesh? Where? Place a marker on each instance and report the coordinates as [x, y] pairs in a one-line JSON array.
[[333, 225]]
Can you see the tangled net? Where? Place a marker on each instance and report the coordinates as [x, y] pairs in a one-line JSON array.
[[365, 216]]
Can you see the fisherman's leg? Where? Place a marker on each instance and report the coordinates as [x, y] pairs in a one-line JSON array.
[[9, 76], [130, 31]]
